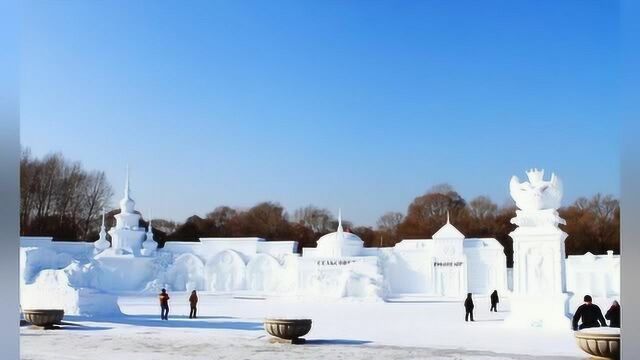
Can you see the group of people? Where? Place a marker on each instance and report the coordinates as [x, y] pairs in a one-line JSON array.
[[164, 304], [589, 313], [468, 305]]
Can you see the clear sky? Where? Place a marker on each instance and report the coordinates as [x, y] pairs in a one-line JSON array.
[[362, 105]]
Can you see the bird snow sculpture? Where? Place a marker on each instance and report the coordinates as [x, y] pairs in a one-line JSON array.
[[536, 194]]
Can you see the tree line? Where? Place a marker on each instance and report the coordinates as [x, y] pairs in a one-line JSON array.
[[60, 199]]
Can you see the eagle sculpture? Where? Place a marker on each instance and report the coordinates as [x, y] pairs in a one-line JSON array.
[[536, 194]]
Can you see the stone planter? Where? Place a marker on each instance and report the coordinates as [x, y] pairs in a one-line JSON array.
[[600, 343], [288, 329], [45, 318]]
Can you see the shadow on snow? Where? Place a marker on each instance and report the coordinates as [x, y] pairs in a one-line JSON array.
[[174, 322], [336, 342]]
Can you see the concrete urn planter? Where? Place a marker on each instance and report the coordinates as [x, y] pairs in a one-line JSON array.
[[288, 329], [600, 343], [45, 318]]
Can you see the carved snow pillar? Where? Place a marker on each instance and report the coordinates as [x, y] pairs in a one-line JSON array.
[[538, 253], [539, 287]]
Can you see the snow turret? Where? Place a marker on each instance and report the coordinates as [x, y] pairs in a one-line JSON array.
[[102, 243], [149, 245]]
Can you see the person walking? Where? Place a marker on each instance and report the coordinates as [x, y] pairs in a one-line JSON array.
[[468, 306], [494, 301], [590, 314], [193, 302], [164, 304], [613, 314]]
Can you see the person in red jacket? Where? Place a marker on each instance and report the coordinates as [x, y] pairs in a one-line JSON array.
[[164, 304], [193, 302]]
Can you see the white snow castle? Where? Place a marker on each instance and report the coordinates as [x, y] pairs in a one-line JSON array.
[[86, 278]]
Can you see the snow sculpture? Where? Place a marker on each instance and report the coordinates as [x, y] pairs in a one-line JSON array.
[[539, 290], [364, 281], [68, 289], [122, 268], [536, 194], [127, 237], [264, 274], [449, 262], [186, 273], [34, 260], [102, 243], [225, 272], [149, 246], [339, 243]]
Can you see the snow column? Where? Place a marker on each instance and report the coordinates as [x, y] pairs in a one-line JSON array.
[[539, 290]]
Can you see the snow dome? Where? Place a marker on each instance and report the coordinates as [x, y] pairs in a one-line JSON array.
[[339, 243]]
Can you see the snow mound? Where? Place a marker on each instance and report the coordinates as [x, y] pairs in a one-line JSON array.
[[61, 289], [354, 281]]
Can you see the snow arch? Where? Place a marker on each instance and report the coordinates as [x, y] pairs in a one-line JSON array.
[[225, 272], [264, 273], [186, 273]]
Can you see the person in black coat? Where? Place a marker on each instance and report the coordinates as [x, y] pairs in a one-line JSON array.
[[590, 314], [468, 306], [193, 303], [494, 301], [613, 315]]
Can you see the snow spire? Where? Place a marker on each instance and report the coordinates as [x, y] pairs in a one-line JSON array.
[[149, 246], [340, 231], [102, 243], [127, 205], [126, 185], [150, 228]]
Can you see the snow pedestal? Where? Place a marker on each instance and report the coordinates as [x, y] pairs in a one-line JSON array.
[[539, 296]]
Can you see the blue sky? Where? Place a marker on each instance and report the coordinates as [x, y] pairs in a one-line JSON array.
[[362, 105]]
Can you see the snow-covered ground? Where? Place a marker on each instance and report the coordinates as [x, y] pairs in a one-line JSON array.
[[231, 328]]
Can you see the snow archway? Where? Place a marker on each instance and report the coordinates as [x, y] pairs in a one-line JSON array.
[[186, 273], [264, 273], [225, 272]]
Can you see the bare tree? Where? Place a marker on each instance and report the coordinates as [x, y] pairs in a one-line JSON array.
[[166, 226], [27, 188], [482, 208], [390, 221], [59, 198], [96, 194], [317, 219], [221, 216]]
